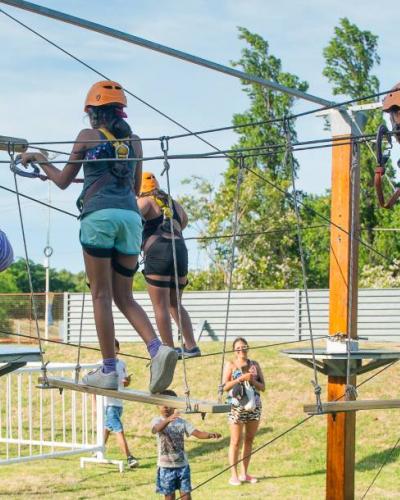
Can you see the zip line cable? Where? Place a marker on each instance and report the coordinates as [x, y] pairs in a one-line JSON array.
[[274, 146], [39, 202], [187, 130], [94, 70], [290, 117], [318, 214]]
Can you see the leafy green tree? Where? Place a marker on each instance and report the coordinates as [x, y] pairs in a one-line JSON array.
[[264, 260], [351, 57]]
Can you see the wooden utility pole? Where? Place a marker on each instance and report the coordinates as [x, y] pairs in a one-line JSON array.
[[342, 302]]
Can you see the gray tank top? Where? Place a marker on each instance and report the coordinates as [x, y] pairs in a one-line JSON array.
[[117, 193]]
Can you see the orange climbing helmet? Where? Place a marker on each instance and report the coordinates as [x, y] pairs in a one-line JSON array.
[[392, 99], [105, 92], [149, 183]]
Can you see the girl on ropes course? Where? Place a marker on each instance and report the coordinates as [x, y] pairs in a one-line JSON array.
[[159, 263], [243, 380], [6, 252], [110, 232]]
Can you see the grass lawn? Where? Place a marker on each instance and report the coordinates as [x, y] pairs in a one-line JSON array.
[[291, 467]]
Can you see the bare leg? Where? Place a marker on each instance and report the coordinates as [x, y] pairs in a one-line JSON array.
[[187, 329], [99, 274], [160, 299], [185, 496], [122, 293], [170, 497], [250, 432], [106, 436], [234, 446], [122, 443]]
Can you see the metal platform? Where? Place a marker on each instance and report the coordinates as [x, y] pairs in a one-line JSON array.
[[335, 364], [14, 356], [197, 405]]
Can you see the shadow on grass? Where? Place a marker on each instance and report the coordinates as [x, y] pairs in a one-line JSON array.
[[375, 460]]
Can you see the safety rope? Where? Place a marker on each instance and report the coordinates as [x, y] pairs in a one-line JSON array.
[[288, 160], [235, 224], [11, 152], [70, 344], [78, 357], [249, 455], [164, 148], [351, 392]]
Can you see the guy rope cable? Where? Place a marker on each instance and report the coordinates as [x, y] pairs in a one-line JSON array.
[[289, 161], [285, 432], [351, 392], [235, 224], [164, 148], [11, 152]]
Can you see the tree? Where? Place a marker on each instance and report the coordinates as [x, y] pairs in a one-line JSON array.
[[350, 57], [263, 260]]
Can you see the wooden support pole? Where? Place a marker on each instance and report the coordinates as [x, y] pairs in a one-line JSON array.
[[343, 296]]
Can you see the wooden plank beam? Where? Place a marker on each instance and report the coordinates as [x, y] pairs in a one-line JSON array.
[[346, 406], [198, 405]]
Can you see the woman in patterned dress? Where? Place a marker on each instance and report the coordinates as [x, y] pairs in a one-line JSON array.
[[243, 422]]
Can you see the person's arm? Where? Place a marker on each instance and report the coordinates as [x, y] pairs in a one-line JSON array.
[[162, 424], [258, 381], [63, 178], [138, 149], [206, 435], [144, 205], [182, 214], [228, 382]]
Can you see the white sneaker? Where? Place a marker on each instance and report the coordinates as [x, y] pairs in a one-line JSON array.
[[97, 378], [162, 369]]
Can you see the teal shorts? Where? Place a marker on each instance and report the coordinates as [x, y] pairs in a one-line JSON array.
[[111, 229]]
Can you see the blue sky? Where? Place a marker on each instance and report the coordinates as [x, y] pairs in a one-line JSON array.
[[42, 90]]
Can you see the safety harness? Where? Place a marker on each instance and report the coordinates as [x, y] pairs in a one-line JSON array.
[[382, 156], [163, 229], [117, 168]]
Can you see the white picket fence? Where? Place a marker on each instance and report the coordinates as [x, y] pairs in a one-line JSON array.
[[42, 423]]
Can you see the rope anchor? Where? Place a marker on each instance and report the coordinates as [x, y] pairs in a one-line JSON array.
[[384, 146]]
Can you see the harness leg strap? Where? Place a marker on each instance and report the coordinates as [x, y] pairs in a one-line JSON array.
[[164, 284], [124, 271]]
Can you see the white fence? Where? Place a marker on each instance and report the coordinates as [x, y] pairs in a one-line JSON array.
[[42, 423], [258, 315]]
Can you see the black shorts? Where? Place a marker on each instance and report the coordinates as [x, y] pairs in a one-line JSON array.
[[159, 258]]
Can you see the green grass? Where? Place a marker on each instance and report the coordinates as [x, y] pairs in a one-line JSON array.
[[291, 467]]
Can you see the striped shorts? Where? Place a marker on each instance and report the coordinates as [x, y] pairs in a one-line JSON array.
[[238, 415]]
